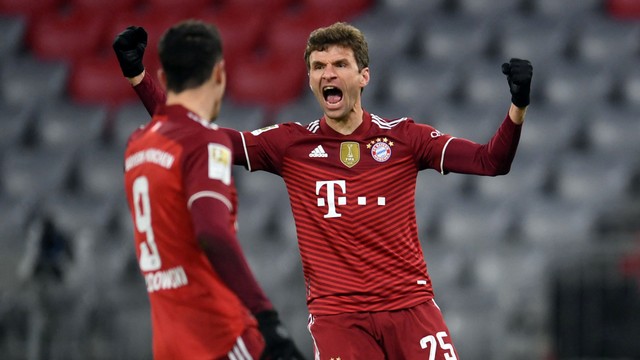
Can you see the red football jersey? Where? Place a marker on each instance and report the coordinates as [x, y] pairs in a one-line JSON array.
[[352, 198], [174, 160]]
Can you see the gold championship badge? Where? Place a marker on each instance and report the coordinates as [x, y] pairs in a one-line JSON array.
[[350, 153]]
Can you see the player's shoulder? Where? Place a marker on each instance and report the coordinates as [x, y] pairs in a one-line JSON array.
[[390, 123], [291, 128]]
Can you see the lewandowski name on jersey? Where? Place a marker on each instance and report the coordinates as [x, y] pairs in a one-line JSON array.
[[154, 156]]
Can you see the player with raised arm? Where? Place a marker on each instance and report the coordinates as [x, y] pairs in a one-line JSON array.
[[204, 298], [351, 178]]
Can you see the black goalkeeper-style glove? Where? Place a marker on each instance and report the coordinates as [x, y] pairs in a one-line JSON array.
[[519, 73], [129, 46], [279, 346]]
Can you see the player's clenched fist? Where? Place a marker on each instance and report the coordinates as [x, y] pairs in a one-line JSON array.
[[519, 73], [129, 46]]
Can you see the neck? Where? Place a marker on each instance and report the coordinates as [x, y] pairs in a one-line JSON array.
[[348, 124], [198, 101]]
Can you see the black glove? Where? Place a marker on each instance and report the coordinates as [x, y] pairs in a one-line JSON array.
[[129, 46], [519, 73], [279, 345]]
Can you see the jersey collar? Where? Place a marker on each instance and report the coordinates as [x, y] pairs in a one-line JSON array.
[[363, 128], [179, 112]]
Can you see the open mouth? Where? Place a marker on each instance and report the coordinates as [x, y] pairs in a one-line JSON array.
[[332, 94]]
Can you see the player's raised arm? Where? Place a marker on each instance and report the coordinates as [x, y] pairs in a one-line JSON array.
[[129, 46], [496, 156]]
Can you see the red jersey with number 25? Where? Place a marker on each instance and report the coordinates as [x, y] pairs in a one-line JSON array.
[[352, 198], [171, 162]]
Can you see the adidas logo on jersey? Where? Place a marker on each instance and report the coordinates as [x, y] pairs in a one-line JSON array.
[[318, 152]]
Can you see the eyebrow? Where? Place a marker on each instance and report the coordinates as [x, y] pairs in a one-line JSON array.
[[343, 60]]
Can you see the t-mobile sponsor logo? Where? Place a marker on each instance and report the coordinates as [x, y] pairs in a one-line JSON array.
[[333, 197]]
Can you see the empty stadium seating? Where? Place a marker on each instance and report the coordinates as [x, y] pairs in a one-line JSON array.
[[490, 242]]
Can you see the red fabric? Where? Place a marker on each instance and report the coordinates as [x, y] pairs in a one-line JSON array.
[[171, 163], [150, 93], [494, 158], [357, 233], [410, 334], [210, 221]]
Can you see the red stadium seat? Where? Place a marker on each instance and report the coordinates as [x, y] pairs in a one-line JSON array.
[[269, 81], [271, 7], [238, 41], [101, 6], [66, 36], [29, 7], [180, 5], [338, 10], [98, 80], [624, 9], [288, 36]]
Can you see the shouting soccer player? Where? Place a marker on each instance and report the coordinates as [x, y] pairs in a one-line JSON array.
[[183, 205], [368, 291]]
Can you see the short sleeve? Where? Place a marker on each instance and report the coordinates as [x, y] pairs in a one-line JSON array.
[[207, 169]]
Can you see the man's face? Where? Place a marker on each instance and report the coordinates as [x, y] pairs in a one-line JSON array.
[[336, 81]]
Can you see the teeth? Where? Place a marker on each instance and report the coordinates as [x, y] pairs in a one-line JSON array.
[[329, 88]]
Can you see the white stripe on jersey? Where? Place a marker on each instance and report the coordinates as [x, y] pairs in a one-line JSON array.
[[385, 124], [246, 153], [310, 322], [314, 126], [211, 194], [442, 157], [239, 351]]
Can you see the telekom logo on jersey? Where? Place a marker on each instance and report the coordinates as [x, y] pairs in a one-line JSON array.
[[334, 199]]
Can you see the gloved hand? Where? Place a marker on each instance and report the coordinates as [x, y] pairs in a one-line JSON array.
[[129, 46], [519, 73], [279, 346]]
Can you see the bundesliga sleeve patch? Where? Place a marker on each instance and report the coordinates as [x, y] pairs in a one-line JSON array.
[[219, 163]]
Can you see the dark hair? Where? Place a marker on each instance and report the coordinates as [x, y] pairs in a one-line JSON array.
[[188, 53], [341, 34]]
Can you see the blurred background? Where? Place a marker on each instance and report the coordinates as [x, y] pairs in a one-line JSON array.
[[543, 263]]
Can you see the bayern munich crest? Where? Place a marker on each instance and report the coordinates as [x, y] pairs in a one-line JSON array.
[[380, 149]]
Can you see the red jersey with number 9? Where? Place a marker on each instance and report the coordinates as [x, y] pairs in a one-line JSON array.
[[175, 159]]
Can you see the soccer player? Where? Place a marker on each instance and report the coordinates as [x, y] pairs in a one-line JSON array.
[[204, 298], [351, 178]]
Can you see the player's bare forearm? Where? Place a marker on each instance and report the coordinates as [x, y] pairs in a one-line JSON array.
[[516, 114], [134, 81]]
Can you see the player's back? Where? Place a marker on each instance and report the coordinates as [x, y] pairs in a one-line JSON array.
[[166, 164]]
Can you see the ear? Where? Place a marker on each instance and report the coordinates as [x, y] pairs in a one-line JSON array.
[[162, 76], [219, 73], [364, 77]]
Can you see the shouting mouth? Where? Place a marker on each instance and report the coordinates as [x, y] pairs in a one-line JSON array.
[[332, 95]]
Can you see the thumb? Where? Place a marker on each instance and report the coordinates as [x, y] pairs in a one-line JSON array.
[[506, 68]]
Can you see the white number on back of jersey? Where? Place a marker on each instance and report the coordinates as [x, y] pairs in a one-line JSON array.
[[430, 342], [149, 255]]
